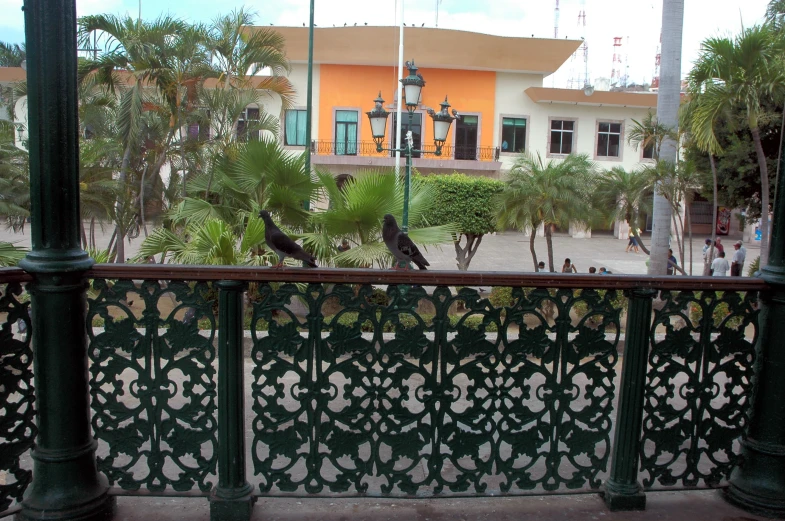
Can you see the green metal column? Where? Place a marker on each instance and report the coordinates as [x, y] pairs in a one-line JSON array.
[[309, 103], [758, 484], [407, 180], [232, 499], [66, 483], [622, 490]]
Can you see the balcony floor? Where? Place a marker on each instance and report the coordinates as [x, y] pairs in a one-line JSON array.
[[706, 505]]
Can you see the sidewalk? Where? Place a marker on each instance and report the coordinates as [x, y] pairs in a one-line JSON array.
[[509, 251]]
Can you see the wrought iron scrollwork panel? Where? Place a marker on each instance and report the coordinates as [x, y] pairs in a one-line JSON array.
[[17, 396], [409, 394], [153, 384], [699, 385]]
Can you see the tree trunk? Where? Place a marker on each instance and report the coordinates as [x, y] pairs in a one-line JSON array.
[[710, 253], [549, 242], [668, 101], [532, 237], [465, 255], [92, 232], [689, 231], [764, 198]]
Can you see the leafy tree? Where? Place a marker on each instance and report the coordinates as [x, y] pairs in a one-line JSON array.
[[741, 72], [467, 203], [552, 194], [14, 179], [355, 213]]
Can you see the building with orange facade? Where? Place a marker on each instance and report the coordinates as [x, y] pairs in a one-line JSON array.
[[495, 83]]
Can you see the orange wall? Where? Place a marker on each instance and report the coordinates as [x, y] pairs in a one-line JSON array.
[[350, 86]]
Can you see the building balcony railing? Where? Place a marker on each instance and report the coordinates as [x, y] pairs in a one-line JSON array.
[[368, 148], [364, 382]]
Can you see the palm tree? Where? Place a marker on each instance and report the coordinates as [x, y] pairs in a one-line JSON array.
[[668, 100], [624, 196], [649, 133], [253, 176], [10, 255], [686, 115], [211, 241], [355, 213], [240, 51], [552, 195], [136, 49], [740, 72], [12, 54], [14, 179]]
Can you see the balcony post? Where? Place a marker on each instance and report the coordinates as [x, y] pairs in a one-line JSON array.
[[232, 499], [622, 490], [758, 483], [66, 483]]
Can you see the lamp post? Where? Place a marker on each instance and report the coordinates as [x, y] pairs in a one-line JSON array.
[[412, 91]]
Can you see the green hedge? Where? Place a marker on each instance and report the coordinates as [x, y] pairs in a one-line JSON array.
[[464, 201]]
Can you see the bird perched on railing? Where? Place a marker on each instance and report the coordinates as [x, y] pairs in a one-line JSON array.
[[400, 245], [282, 245]]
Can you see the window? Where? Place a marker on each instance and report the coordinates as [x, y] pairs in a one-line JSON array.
[[561, 136], [648, 151], [608, 139], [416, 129], [346, 132], [513, 134], [294, 128], [245, 124]]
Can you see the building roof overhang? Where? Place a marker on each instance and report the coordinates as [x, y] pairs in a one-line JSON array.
[[640, 100], [12, 74], [429, 47]]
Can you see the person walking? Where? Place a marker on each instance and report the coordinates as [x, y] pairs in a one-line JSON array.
[[737, 261], [633, 242], [720, 266], [568, 267], [672, 263]]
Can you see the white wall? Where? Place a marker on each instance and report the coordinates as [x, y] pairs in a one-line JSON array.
[[512, 100], [299, 79]]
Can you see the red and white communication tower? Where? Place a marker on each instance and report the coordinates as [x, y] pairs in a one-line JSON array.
[[655, 81], [579, 64], [616, 71]]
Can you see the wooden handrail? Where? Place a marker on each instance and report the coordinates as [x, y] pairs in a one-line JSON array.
[[423, 278]]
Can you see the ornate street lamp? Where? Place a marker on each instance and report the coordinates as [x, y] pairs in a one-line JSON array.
[[412, 91]]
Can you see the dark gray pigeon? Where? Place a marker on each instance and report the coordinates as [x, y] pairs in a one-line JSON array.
[[282, 245], [400, 245]]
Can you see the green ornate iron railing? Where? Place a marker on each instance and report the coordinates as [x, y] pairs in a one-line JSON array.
[[698, 387], [17, 396], [391, 383]]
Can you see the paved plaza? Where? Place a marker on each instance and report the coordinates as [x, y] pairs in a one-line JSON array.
[[509, 251]]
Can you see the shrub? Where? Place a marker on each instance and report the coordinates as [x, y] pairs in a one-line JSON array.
[[501, 296], [754, 267]]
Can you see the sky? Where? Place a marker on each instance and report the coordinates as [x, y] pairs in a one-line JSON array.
[[637, 22]]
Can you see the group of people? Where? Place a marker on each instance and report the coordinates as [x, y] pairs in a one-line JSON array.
[[569, 267], [719, 265]]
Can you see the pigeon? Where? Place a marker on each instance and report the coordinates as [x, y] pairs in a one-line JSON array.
[[282, 245], [400, 245]]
